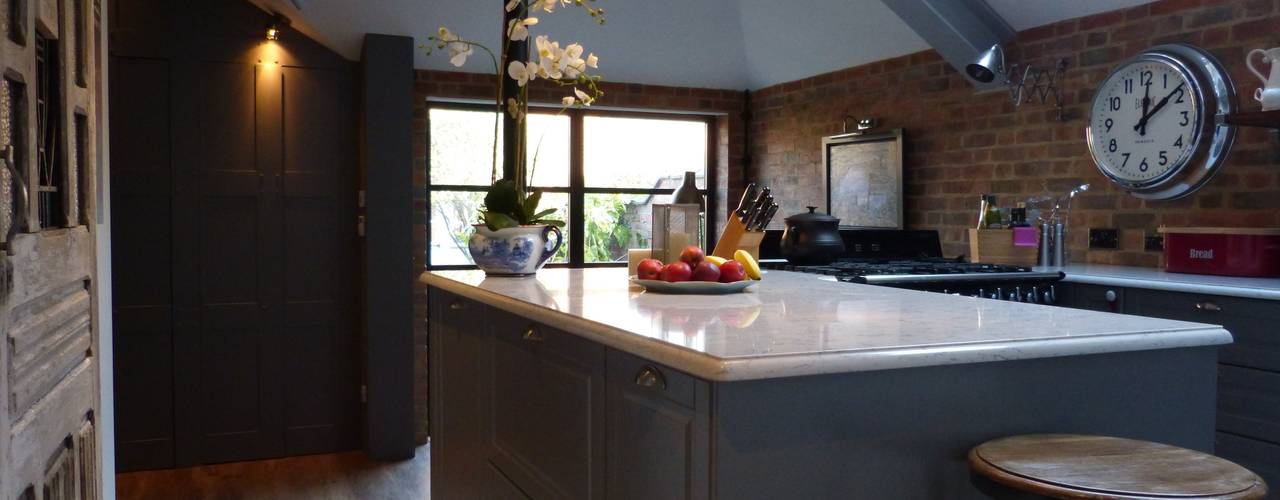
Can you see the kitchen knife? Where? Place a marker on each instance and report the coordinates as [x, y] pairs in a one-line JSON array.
[[757, 212], [763, 221], [754, 206], [741, 211]]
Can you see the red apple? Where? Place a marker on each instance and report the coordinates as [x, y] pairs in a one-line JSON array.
[[706, 271], [692, 255], [732, 271], [676, 271], [649, 269]]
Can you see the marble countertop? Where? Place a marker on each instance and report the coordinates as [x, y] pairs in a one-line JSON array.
[[794, 324], [1159, 279]]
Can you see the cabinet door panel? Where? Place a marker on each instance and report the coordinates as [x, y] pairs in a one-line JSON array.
[[1249, 403], [1261, 457], [456, 331], [1252, 323], [547, 398], [1091, 297], [658, 440]]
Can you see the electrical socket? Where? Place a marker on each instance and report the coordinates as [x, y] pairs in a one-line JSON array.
[[1104, 238], [1153, 242]]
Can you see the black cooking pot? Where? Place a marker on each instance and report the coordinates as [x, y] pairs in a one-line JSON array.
[[811, 239]]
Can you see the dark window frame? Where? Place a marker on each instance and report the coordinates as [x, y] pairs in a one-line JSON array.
[[51, 159], [577, 188]]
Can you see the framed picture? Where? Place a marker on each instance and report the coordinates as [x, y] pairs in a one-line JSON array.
[[864, 179]]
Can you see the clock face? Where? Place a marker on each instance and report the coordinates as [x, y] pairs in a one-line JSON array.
[[1145, 122]]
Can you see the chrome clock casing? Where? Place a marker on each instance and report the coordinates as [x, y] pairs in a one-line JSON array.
[[1215, 98]]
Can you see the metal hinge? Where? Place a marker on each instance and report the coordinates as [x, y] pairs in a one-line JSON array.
[[364, 393], [360, 198], [360, 226]]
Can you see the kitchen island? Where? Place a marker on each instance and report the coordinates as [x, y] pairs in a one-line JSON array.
[[573, 384]]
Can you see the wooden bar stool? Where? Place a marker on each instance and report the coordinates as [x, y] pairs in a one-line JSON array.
[[1099, 467]]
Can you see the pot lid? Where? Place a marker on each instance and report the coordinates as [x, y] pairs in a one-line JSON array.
[[812, 216]]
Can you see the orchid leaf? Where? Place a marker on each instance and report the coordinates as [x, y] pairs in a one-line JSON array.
[[549, 222], [543, 213], [531, 205], [497, 220], [503, 198]]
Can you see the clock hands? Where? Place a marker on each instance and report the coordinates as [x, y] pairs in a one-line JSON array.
[[1142, 124], [1146, 105]]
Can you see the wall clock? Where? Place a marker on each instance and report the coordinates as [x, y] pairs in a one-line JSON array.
[[1157, 128]]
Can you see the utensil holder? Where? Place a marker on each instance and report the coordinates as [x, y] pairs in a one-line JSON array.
[[736, 237], [995, 246]]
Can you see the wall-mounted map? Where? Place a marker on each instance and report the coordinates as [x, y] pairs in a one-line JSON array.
[[864, 179]]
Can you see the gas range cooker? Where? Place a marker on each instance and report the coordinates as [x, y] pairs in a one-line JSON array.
[[912, 259]]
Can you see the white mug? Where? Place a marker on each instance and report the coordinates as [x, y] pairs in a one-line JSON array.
[[1270, 98], [1269, 94]]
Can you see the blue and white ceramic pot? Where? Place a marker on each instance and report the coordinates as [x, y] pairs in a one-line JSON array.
[[514, 251]]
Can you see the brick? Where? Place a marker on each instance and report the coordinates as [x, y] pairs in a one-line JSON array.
[[1262, 29], [1104, 55], [1212, 15], [1101, 20]]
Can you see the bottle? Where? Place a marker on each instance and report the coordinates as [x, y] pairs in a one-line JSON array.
[[993, 218], [688, 193]]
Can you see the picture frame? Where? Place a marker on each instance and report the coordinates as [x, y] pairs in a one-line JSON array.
[[864, 179]]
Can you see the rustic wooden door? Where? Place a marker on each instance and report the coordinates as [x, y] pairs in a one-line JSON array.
[[48, 367]]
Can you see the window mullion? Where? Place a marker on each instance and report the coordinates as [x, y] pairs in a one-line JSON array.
[[577, 198]]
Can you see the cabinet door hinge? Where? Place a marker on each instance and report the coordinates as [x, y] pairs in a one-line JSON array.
[[360, 226], [364, 393]]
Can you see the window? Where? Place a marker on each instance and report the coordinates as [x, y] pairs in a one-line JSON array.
[[13, 124], [77, 17], [81, 166], [17, 25], [602, 170], [49, 160]]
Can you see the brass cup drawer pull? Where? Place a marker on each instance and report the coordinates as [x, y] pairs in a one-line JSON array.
[[1208, 306], [457, 305], [532, 334], [651, 377]]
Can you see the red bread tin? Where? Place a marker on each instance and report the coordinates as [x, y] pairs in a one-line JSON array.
[[1223, 251]]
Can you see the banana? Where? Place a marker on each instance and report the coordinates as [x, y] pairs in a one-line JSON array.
[[749, 264]]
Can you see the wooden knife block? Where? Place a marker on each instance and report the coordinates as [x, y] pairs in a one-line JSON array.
[[736, 237]]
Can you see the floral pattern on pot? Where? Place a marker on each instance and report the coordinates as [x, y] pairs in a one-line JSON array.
[[514, 251]]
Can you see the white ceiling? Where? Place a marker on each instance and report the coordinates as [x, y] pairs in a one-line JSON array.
[[695, 43]]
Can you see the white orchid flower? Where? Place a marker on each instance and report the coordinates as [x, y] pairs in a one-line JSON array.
[[567, 101], [459, 49], [571, 62], [514, 109], [592, 61], [518, 30], [522, 73], [512, 5], [582, 96], [459, 52]]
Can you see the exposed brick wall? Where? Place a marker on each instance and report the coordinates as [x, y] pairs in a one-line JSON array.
[[960, 144], [727, 104]]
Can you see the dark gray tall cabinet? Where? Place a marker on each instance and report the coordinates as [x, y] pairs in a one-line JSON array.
[[234, 187]]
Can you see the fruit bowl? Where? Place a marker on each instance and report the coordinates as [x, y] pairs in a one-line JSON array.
[[694, 287]]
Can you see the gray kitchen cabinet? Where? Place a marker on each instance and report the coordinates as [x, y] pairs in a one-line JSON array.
[[523, 413], [457, 333], [1248, 419], [544, 408], [659, 430], [1091, 297], [1252, 323]]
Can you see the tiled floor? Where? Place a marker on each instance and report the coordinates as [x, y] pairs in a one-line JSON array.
[[319, 477]]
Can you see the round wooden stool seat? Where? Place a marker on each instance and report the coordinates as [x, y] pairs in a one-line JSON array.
[[1099, 467]]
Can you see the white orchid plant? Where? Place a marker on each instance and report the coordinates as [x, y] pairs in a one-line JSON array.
[[564, 66]]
